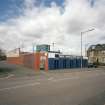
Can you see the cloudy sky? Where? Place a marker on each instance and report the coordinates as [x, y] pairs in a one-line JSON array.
[[24, 22]]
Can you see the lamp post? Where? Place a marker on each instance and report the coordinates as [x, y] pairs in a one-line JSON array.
[[81, 42]]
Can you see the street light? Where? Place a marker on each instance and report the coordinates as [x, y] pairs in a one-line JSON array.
[[81, 41]]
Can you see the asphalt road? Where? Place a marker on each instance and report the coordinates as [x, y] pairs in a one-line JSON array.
[[71, 88]]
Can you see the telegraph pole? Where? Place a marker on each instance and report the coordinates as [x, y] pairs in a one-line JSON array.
[[53, 45]]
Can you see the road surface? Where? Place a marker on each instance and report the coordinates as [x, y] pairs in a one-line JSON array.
[[68, 88]]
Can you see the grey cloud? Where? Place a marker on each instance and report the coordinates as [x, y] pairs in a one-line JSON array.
[[75, 26], [45, 25]]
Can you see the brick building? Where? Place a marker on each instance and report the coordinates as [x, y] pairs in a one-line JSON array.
[[96, 54]]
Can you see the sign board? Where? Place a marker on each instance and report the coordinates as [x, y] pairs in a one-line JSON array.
[[43, 47]]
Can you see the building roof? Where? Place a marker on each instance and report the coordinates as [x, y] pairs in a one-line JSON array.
[[98, 47]]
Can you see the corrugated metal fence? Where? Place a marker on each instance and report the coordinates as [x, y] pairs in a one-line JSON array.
[[34, 61], [66, 63]]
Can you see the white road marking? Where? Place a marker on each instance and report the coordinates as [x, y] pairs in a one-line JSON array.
[[65, 79], [37, 83], [20, 86], [9, 76]]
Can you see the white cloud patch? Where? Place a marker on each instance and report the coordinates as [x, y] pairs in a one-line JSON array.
[[48, 24]]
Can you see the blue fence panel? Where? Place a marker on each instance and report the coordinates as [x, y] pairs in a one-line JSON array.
[[64, 63], [67, 63], [74, 63], [61, 63], [56, 63], [78, 63], [84, 62], [51, 64], [71, 63]]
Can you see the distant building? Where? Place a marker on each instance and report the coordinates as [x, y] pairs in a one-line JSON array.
[[96, 54], [13, 53]]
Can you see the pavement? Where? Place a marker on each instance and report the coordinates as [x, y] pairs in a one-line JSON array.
[[86, 87], [10, 70]]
